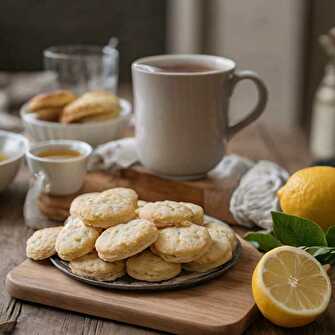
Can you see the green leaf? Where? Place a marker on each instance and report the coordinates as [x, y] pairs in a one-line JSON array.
[[325, 255], [295, 231], [255, 244], [317, 251], [262, 240], [329, 259], [330, 236]]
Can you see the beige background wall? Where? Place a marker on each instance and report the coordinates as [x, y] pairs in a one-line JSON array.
[[262, 35]]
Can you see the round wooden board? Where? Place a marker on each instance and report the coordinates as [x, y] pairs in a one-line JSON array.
[[185, 279]]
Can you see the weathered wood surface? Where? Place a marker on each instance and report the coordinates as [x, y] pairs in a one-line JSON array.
[[286, 147]]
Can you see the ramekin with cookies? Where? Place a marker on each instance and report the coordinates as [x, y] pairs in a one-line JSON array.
[[95, 117]]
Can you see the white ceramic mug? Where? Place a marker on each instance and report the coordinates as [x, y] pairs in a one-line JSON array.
[[59, 176], [182, 119]]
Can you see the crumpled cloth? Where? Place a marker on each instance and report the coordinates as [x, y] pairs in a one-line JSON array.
[[256, 196], [114, 155], [251, 202], [231, 166]]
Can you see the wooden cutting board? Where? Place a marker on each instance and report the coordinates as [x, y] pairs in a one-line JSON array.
[[221, 306]]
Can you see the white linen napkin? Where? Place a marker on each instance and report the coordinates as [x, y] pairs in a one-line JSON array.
[[114, 155], [256, 196]]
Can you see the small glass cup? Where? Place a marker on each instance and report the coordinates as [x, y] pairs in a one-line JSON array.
[[83, 68]]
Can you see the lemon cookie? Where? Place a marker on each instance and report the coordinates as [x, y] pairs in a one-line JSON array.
[[149, 267], [141, 203], [125, 240], [182, 244], [99, 117], [41, 244], [89, 104], [52, 213], [91, 266], [105, 209], [54, 99], [165, 213], [75, 239], [124, 192], [49, 114], [195, 267], [224, 227], [219, 253], [197, 212]]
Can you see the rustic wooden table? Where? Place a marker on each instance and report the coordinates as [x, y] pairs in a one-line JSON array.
[[286, 147]]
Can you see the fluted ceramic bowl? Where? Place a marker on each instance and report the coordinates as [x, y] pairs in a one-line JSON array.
[[13, 146], [94, 133]]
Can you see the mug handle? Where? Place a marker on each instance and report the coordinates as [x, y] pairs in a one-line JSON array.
[[260, 106], [42, 181]]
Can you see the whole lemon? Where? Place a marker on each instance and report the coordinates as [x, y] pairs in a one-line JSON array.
[[310, 193]]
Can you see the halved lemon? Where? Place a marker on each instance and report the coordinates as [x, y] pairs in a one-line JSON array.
[[290, 287]]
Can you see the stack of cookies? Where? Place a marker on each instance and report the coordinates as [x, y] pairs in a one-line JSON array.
[[112, 233], [63, 106]]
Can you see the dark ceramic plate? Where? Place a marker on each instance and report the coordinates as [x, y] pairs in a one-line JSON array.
[[185, 279]]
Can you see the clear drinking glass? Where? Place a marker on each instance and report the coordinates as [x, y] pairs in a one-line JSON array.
[[83, 68]]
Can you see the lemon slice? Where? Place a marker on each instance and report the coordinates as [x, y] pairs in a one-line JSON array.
[[290, 287]]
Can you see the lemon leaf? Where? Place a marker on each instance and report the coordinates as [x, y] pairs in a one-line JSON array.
[[262, 240], [296, 231], [325, 255], [330, 236]]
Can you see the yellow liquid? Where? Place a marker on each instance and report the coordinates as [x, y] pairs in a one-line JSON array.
[[3, 157], [58, 154]]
